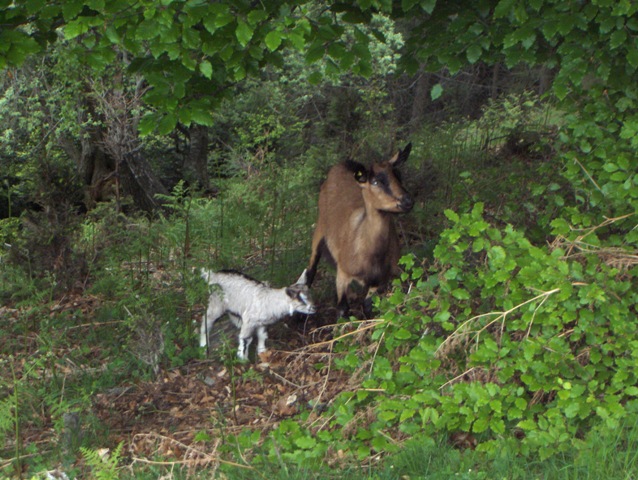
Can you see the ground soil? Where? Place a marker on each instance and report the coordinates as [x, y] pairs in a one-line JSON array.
[[181, 412]]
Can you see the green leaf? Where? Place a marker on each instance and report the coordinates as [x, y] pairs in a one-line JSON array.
[[239, 73], [437, 91], [503, 8], [617, 38], [244, 33], [402, 334], [473, 53], [70, 9], [167, 124], [315, 52], [306, 442], [256, 16], [497, 425], [480, 425], [147, 30], [273, 40], [75, 28], [315, 78], [451, 215], [407, 5], [428, 5], [147, 124], [460, 294], [206, 68], [112, 34], [202, 117], [572, 409]]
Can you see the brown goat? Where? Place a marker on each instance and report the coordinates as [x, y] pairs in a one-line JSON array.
[[355, 225]]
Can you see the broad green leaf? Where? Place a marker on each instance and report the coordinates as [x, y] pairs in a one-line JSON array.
[[71, 8], [572, 409], [497, 425], [256, 16], [112, 34], [337, 50], [428, 5], [460, 294], [244, 33], [147, 124], [451, 215], [437, 91], [33, 6], [306, 442], [480, 425], [273, 40], [167, 124], [473, 53], [75, 28], [402, 334], [315, 53], [147, 30], [298, 41], [632, 57], [407, 5], [503, 8], [206, 69], [239, 73], [617, 38], [202, 117]]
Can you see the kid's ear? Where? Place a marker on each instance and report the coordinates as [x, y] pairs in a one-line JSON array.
[[302, 279]]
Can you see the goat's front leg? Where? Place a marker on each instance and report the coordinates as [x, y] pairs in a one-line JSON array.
[[262, 335], [246, 333], [244, 343]]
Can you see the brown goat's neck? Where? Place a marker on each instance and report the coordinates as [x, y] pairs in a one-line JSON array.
[[376, 221]]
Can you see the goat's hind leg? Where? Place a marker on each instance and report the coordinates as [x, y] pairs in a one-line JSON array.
[[245, 339]]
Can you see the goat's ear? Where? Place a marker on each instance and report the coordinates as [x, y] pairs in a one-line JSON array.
[[302, 278], [359, 171], [401, 156], [361, 175]]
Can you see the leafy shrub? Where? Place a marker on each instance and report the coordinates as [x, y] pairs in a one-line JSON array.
[[520, 347]]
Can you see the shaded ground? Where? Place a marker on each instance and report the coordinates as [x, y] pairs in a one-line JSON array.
[[206, 396], [182, 413]]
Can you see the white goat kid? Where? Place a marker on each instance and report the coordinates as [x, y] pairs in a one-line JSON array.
[[251, 305]]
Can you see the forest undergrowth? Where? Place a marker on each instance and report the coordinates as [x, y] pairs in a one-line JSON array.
[[502, 350]]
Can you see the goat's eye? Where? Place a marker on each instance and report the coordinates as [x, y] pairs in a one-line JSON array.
[[374, 182]]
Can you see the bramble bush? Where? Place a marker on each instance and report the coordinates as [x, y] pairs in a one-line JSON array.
[[522, 347]]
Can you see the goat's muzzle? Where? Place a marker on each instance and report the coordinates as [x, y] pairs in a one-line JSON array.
[[406, 203]]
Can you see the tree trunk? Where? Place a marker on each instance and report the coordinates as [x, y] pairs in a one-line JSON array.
[[138, 180], [195, 167], [421, 99]]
